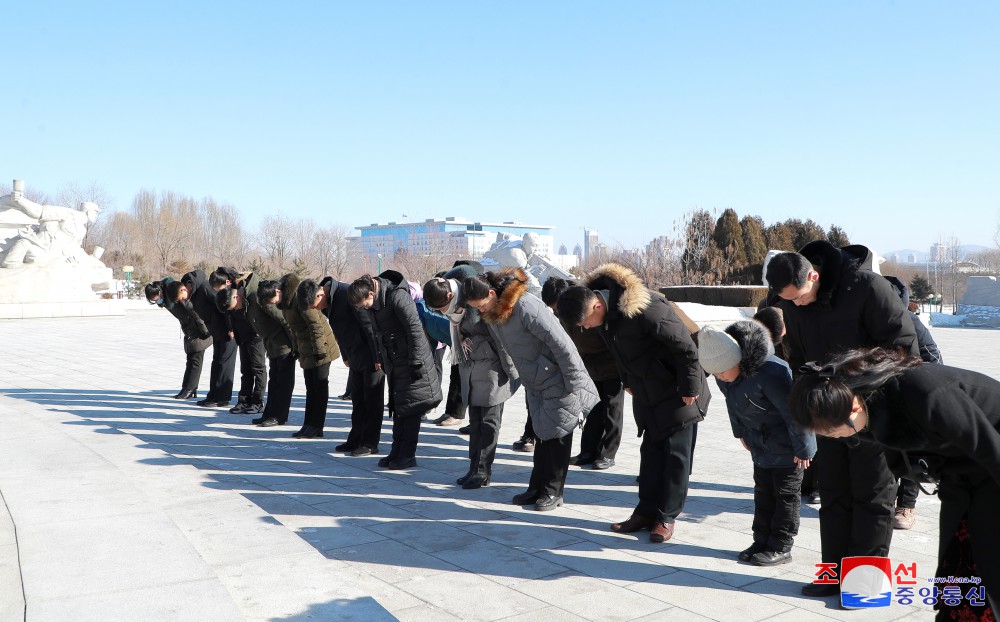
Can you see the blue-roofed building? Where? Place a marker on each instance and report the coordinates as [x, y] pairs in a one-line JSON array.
[[449, 236]]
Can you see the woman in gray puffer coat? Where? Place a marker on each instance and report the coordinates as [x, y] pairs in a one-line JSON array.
[[482, 369], [559, 389]]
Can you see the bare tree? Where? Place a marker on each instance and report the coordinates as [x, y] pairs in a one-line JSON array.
[[953, 277], [73, 194], [225, 239], [276, 240], [330, 250]]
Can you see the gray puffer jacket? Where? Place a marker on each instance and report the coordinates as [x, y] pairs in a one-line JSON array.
[[484, 377], [559, 389]]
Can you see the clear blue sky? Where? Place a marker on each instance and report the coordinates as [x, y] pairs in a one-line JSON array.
[[881, 117]]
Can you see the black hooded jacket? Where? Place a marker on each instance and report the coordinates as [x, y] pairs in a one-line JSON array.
[[202, 298], [346, 322], [402, 347], [656, 356], [854, 308]]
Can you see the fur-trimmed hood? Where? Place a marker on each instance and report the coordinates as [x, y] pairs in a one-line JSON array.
[[627, 293], [501, 313], [755, 345]]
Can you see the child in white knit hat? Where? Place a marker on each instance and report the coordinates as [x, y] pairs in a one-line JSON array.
[[756, 385]]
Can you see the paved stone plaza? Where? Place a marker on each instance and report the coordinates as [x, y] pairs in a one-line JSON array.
[[129, 505]]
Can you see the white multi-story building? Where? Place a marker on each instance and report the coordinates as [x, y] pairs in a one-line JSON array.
[[450, 236]]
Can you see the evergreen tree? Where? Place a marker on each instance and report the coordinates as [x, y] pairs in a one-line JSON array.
[[728, 237], [920, 288], [780, 237], [837, 237], [754, 242], [804, 232]]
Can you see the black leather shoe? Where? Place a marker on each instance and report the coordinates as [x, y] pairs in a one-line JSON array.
[[384, 462], [362, 451], [299, 433], [239, 409], [476, 481], [311, 432], [268, 422], [526, 498], [345, 396], [547, 502], [460, 481], [771, 558], [465, 429], [602, 464], [747, 553], [208, 404], [820, 589], [185, 394], [402, 463], [345, 448], [582, 460], [632, 524]]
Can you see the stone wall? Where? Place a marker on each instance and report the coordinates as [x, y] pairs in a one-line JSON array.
[[719, 296]]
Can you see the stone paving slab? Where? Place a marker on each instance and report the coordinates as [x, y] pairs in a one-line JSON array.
[[288, 529]]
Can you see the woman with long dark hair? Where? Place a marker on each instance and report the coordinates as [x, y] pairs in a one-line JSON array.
[[942, 423], [559, 390]]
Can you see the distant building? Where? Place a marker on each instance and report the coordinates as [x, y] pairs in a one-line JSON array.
[[448, 236], [590, 242], [911, 258], [578, 252], [562, 250], [939, 253]]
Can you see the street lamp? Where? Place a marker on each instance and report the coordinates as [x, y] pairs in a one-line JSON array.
[[380, 263], [128, 280]]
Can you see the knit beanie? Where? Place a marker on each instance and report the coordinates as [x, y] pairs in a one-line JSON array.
[[717, 351]]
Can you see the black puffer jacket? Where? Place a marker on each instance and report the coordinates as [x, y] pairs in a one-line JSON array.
[[854, 308], [346, 324], [202, 298], [196, 335], [757, 402], [654, 351], [402, 347]]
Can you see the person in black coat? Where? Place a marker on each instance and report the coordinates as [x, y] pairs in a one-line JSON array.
[[832, 303], [602, 432], [366, 382], [196, 335], [945, 424], [400, 347], [658, 363], [253, 368], [756, 384], [194, 288]]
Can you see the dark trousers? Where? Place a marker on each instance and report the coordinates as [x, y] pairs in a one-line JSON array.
[[551, 464], [253, 371], [405, 434], [317, 395], [664, 468], [192, 370], [602, 433], [777, 499], [857, 492], [809, 479], [453, 404], [220, 385], [972, 495], [529, 429], [280, 386], [367, 389], [483, 436], [907, 495]]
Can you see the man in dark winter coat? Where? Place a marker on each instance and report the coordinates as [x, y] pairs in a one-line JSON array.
[[196, 336], [366, 382], [244, 303], [402, 349], [830, 304], [253, 367], [194, 287], [658, 363]]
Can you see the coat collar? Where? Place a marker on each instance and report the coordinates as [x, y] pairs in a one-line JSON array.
[[504, 309]]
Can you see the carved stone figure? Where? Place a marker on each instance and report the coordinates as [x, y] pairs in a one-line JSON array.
[[508, 252], [45, 260]]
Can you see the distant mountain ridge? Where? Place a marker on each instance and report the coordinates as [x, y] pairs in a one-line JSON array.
[[903, 255]]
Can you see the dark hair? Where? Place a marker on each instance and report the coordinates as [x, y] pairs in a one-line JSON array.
[[173, 290], [479, 286], [222, 274], [573, 303], [307, 293], [786, 269], [552, 288], [478, 267], [822, 397], [224, 298], [436, 292], [266, 291], [153, 290], [360, 288], [773, 320]]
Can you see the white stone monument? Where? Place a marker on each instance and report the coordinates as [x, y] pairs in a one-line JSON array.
[[509, 252], [42, 259]]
